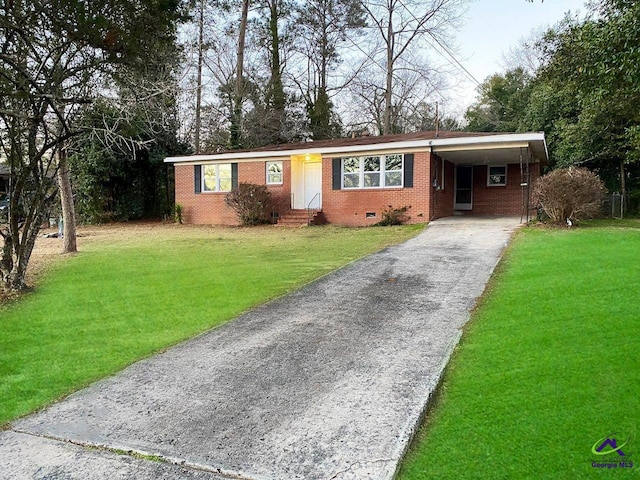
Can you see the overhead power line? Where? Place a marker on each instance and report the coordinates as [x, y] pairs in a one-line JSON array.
[[464, 69], [456, 61]]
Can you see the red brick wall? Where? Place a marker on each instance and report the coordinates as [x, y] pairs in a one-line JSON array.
[[349, 207], [209, 208], [499, 200]]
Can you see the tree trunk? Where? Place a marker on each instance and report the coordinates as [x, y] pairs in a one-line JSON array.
[[321, 109], [6, 261], [623, 180], [238, 90], [16, 253], [69, 244], [196, 139], [17, 278], [276, 75], [389, 77]]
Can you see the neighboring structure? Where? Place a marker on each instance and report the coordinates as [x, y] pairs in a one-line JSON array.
[[350, 181], [5, 172]]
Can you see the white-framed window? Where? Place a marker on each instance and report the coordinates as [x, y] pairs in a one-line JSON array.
[[351, 172], [496, 175], [375, 171], [371, 169], [216, 178], [274, 173]]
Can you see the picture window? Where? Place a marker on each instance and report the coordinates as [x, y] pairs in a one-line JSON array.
[[376, 171]]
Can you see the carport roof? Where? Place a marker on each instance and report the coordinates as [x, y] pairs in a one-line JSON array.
[[457, 147]]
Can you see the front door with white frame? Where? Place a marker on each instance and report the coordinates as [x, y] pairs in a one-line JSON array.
[[313, 185]]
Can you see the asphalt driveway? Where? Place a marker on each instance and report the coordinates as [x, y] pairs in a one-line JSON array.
[[326, 383]]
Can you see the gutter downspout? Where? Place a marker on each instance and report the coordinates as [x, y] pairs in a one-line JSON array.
[[432, 190]]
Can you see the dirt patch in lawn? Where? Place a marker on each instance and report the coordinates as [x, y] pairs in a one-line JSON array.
[[46, 252]]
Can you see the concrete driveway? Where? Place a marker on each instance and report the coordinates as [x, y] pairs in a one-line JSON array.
[[326, 383]]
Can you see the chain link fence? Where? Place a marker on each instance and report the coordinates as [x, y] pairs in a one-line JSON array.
[[615, 205]]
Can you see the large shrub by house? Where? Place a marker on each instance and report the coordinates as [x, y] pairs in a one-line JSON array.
[[250, 202], [569, 194]]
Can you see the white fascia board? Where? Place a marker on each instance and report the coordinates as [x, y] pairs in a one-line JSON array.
[[478, 147], [469, 142], [223, 157], [505, 138]]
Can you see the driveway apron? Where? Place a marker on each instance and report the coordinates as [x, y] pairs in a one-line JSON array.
[[329, 382]]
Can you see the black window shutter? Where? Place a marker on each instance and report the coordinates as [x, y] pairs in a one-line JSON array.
[[408, 170], [336, 173], [234, 176], [197, 175]]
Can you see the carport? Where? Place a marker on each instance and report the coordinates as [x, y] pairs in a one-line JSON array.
[[488, 173]]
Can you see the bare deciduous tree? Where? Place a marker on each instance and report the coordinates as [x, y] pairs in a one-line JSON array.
[[325, 27], [403, 28], [526, 54]]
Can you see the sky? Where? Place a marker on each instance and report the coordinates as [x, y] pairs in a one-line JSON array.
[[490, 28]]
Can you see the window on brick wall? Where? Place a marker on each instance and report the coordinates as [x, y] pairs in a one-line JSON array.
[[496, 175], [274, 173], [393, 171], [377, 171], [216, 178]]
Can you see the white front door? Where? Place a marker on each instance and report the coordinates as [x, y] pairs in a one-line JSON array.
[[313, 185]]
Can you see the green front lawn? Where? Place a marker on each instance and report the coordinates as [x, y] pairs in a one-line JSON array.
[[127, 296], [549, 364]]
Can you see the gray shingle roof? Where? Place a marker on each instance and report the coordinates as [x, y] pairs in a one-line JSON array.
[[364, 140]]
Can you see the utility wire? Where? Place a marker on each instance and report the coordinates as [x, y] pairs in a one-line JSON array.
[[446, 50], [452, 56], [459, 64]]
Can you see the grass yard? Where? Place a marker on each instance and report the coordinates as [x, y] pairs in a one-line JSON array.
[[549, 364], [141, 289]]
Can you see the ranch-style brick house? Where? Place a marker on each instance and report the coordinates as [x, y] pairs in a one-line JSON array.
[[351, 181]]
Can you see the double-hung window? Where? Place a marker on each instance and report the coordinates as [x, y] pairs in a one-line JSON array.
[[351, 172], [393, 171], [371, 168], [377, 171], [496, 175], [216, 178], [274, 173]]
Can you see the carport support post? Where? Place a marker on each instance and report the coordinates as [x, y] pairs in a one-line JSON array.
[[528, 183], [525, 184]]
